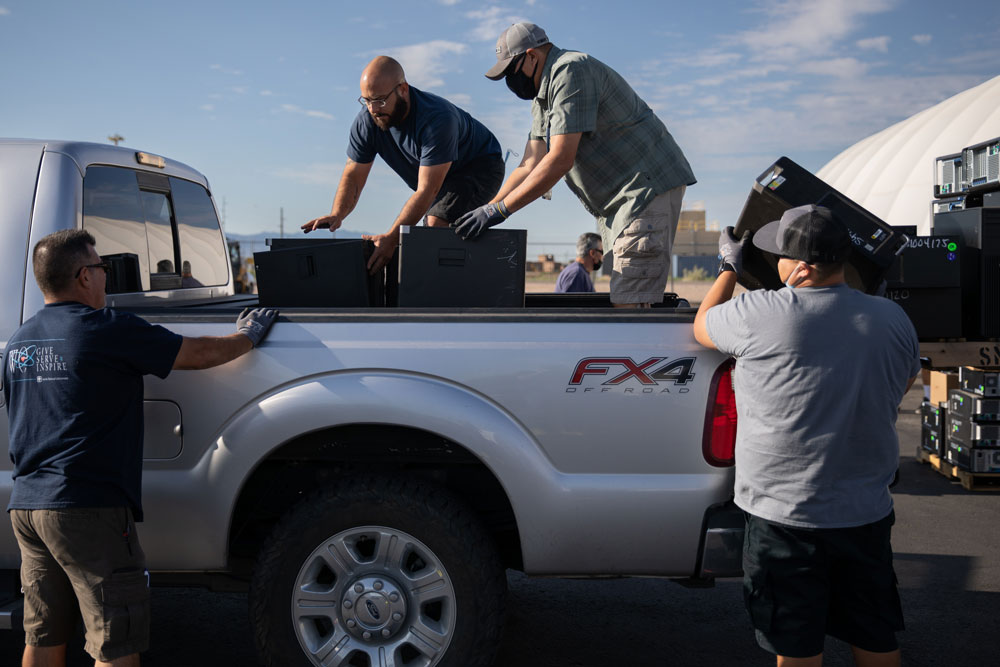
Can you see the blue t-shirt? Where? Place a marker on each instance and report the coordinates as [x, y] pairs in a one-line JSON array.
[[574, 278], [435, 132], [73, 387]]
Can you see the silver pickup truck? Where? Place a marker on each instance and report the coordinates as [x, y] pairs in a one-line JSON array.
[[369, 474]]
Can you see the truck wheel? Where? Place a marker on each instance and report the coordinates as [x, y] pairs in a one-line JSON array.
[[379, 572]]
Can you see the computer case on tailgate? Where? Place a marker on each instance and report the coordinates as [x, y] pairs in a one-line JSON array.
[[785, 185]]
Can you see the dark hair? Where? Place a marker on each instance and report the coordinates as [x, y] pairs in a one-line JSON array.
[[58, 257], [587, 242]]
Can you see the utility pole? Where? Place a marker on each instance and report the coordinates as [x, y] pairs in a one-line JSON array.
[[281, 225], [115, 138]]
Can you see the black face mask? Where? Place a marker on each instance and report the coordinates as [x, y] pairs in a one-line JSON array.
[[597, 265], [521, 84]]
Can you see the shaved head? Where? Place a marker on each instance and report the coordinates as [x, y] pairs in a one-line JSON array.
[[380, 79], [380, 75]]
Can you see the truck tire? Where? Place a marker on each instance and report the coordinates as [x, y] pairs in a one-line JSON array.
[[378, 572]]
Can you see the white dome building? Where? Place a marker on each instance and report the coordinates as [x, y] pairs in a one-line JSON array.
[[891, 173]]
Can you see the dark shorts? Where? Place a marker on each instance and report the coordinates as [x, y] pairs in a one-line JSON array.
[[465, 189], [83, 562], [802, 584]]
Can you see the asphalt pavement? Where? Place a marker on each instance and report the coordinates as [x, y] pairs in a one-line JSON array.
[[947, 546]]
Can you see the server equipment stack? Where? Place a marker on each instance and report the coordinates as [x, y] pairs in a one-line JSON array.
[[973, 423]]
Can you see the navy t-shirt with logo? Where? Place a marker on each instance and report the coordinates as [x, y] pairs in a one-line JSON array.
[[73, 383]]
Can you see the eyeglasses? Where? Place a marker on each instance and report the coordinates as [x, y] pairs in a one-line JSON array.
[[103, 265], [378, 102]]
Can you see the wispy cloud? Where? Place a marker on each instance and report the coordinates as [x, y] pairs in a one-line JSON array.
[[318, 173], [4, 11], [312, 113], [880, 44], [449, 3], [492, 21], [922, 40], [239, 90], [425, 64], [839, 67], [207, 107], [796, 29], [266, 93], [226, 70]]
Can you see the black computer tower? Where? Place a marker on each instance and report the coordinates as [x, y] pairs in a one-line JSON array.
[[926, 281], [310, 273], [979, 228], [437, 268], [785, 185]]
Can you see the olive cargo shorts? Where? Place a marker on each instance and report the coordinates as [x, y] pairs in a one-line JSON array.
[[86, 558]]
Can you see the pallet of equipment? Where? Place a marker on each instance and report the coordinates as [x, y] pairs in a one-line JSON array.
[[985, 481]]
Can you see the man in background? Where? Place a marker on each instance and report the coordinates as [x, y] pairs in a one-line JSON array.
[[576, 276]]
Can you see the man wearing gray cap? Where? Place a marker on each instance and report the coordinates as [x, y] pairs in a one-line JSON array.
[[820, 371], [617, 156]]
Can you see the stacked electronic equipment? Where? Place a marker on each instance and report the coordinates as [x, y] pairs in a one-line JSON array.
[[973, 422], [949, 284]]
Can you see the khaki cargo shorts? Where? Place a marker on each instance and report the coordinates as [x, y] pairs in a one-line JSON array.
[[85, 559], [642, 251]]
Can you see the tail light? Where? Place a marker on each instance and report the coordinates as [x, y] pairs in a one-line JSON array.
[[719, 441]]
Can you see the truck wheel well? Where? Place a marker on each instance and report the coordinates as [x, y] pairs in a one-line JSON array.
[[309, 461]]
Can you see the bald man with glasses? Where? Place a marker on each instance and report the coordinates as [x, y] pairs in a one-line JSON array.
[[450, 160]]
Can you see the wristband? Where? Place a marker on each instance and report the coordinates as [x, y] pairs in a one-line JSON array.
[[725, 266], [503, 209]]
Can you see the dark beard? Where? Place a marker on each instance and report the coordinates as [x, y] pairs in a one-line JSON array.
[[394, 119]]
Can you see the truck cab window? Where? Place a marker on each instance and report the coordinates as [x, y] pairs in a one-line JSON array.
[[203, 257], [112, 213], [165, 229]]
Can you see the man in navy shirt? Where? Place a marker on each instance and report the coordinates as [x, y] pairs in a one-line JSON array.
[[73, 385], [576, 276], [447, 157]]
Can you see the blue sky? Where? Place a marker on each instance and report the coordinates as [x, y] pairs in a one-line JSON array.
[[259, 96]]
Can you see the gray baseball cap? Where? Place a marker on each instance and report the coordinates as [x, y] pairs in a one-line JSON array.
[[514, 41], [809, 233]]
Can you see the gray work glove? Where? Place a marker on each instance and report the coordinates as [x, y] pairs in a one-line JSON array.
[[255, 323], [731, 249], [478, 220]]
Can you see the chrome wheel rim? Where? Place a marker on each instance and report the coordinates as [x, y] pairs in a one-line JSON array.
[[373, 596]]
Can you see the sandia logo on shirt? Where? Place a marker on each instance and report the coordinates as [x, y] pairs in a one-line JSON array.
[[21, 359]]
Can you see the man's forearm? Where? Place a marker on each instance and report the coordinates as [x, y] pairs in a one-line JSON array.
[[720, 292], [413, 210], [516, 178], [208, 351], [540, 180], [348, 193]]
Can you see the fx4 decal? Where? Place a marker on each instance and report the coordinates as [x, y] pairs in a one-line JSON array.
[[678, 371]]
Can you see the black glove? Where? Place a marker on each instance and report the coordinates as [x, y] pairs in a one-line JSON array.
[[254, 324], [731, 250], [478, 220]]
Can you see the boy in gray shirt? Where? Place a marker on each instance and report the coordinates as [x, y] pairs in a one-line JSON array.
[[820, 371]]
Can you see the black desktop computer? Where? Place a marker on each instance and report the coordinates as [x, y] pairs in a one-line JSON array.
[[437, 268], [786, 185], [978, 229], [316, 273]]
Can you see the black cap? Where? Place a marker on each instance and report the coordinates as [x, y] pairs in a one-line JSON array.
[[808, 233]]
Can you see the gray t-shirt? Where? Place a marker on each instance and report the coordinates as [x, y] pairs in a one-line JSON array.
[[820, 372]]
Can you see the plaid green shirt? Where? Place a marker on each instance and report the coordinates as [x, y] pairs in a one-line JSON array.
[[626, 155]]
